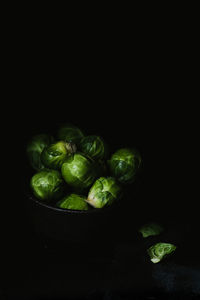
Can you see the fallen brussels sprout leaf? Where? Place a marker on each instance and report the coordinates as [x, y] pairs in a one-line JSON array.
[[159, 251], [150, 229]]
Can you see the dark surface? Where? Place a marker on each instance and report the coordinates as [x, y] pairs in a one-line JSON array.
[[136, 86], [113, 266]]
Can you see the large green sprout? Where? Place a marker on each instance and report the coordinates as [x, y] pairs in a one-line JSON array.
[[34, 149], [70, 133], [47, 185], [54, 155], [124, 164], [94, 146], [104, 191], [79, 171]]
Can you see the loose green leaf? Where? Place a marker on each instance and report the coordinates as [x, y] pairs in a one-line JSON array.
[[150, 229], [159, 251]]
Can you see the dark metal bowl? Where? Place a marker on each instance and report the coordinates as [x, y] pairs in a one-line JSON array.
[[70, 225], [107, 224]]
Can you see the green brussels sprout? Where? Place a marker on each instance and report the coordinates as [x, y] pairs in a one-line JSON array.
[[47, 185], [79, 171], [94, 146], [73, 201], [124, 164], [160, 250], [55, 154], [70, 133], [150, 229], [34, 149], [103, 192]]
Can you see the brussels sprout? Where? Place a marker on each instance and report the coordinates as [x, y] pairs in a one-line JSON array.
[[150, 229], [124, 164], [55, 154], [70, 133], [94, 146], [47, 185], [34, 149], [160, 250], [103, 192], [79, 171], [73, 201]]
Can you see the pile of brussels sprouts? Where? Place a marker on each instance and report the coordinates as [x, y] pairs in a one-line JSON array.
[[76, 171]]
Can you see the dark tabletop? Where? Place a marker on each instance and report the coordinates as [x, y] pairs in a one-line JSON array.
[[114, 266]]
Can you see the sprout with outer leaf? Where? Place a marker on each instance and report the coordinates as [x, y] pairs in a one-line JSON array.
[[47, 185], [150, 229], [70, 133], [79, 171], [73, 201], [35, 147], [124, 164], [104, 191], [54, 155], [94, 146], [160, 250]]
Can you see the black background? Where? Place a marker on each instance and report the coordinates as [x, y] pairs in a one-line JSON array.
[[141, 100]]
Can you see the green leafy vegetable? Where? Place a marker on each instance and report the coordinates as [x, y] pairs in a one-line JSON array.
[[160, 250], [94, 146], [150, 229], [54, 155], [124, 164], [79, 171], [47, 185], [104, 191], [34, 149], [70, 133], [73, 201]]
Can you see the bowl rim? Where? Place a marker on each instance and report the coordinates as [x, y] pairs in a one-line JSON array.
[[71, 211]]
